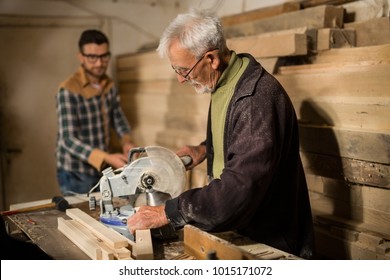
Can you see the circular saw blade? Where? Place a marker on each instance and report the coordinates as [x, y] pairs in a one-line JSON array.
[[166, 168]]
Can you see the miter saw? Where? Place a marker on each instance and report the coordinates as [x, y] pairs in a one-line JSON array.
[[154, 176]]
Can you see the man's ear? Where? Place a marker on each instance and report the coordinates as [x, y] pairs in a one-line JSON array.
[[213, 59], [80, 57]]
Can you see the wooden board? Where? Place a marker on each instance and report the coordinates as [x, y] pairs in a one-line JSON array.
[[317, 17], [313, 3], [373, 146], [270, 45], [328, 38], [78, 237], [143, 247], [259, 13], [372, 32], [227, 246], [352, 171], [204, 246], [112, 238]]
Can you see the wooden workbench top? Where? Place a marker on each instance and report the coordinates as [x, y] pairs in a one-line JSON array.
[[41, 227]]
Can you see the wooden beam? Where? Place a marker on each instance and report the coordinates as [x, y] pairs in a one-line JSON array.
[[371, 32], [87, 245], [353, 55], [338, 246], [329, 38], [143, 247], [270, 45], [112, 238], [373, 219], [313, 3], [203, 246], [355, 194], [317, 17], [260, 13], [371, 146], [351, 171]]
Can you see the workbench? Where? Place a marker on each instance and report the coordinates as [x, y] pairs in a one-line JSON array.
[[41, 228]]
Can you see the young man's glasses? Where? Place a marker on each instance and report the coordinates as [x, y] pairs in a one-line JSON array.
[[92, 58], [184, 72]]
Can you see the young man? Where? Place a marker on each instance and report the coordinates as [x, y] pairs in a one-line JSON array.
[[87, 108], [257, 184]]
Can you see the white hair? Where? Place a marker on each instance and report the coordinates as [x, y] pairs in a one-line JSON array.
[[197, 31]]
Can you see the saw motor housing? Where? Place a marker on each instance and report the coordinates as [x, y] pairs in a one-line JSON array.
[[155, 176]]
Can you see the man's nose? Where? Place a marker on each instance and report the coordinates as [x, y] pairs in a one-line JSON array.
[[181, 79], [99, 61]]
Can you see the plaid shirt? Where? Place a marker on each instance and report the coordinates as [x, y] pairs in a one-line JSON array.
[[85, 115]]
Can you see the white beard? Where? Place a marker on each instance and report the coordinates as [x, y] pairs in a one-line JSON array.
[[200, 88]]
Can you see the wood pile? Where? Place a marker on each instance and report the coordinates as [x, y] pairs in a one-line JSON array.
[[102, 243], [337, 73]]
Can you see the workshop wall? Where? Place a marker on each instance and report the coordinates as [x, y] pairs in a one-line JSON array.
[[334, 62]]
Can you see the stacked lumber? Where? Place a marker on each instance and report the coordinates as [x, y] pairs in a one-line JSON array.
[[344, 137], [336, 71], [102, 243]]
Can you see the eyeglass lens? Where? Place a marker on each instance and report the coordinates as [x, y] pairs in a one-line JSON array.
[[92, 58]]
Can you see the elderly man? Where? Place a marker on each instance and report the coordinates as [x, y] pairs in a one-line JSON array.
[[257, 183]]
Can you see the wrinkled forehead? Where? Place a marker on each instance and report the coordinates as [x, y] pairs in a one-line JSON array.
[[178, 55]]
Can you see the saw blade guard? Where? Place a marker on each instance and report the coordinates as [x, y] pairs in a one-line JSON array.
[[162, 170]]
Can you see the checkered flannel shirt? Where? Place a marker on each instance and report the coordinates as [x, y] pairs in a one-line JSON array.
[[81, 127]]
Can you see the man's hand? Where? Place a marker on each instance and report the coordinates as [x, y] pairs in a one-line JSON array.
[[147, 217], [115, 160], [197, 153]]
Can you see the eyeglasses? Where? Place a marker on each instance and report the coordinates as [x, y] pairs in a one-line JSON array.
[[184, 72], [92, 58]]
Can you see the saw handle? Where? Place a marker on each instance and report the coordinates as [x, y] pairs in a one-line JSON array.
[[135, 151], [187, 160]]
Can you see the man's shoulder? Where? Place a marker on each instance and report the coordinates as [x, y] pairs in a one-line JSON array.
[[73, 83]]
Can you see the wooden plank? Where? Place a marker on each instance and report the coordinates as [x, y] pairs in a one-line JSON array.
[[260, 13], [143, 247], [270, 45], [112, 238], [332, 246], [87, 245], [372, 146], [202, 245], [107, 253], [328, 38], [353, 55], [360, 195], [350, 170], [147, 73], [313, 3], [258, 250], [140, 59], [373, 219], [317, 17], [367, 113], [156, 87], [371, 32]]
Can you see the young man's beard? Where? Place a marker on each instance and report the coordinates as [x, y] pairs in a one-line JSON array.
[[90, 72]]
